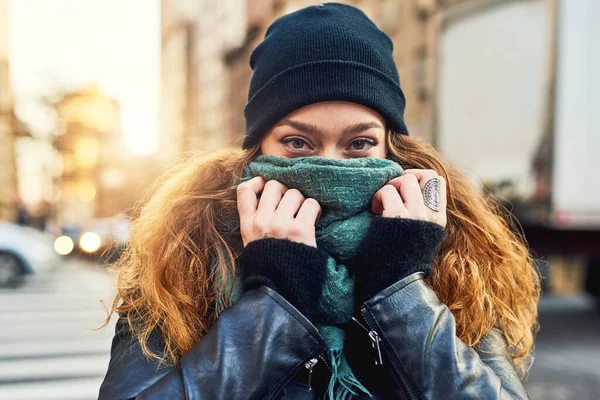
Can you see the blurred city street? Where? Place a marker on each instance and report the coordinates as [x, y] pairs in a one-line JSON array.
[[98, 99], [47, 347], [567, 356]]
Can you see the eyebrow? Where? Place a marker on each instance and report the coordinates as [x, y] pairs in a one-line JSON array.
[[309, 128]]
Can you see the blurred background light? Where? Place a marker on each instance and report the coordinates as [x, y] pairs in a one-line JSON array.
[[90, 242], [63, 245], [87, 150], [86, 191], [113, 178]]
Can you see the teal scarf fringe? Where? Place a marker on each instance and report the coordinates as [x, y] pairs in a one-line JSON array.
[[344, 189]]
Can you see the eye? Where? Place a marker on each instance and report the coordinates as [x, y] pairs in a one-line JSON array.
[[362, 144], [295, 143]]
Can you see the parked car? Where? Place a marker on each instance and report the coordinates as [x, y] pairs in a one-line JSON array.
[[24, 250]]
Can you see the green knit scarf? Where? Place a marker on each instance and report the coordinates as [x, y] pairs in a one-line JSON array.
[[344, 189]]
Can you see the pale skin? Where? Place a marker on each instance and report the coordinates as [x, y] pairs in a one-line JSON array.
[[338, 130]]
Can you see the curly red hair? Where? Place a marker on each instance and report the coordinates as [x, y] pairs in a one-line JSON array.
[[483, 271]]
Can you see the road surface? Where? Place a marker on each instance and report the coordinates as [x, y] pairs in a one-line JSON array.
[[47, 348], [567, 357]]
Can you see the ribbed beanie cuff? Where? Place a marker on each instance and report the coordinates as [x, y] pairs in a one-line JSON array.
[[329, 80]]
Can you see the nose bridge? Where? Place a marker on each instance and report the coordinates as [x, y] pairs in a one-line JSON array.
[[331, 150]]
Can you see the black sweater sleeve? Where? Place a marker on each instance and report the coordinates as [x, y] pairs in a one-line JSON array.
[[393, 249], [294, 270]]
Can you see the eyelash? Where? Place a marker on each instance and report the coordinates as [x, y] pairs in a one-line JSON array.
[[368, 141], [289, 140]]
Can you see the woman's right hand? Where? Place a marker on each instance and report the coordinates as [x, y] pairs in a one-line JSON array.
[[281, 213]]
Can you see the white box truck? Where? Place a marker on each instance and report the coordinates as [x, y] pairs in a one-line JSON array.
[[517, 94]]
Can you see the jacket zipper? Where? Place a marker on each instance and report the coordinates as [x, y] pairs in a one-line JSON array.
[[309, 365], [405, 386], [322, 357], [274, 392], [375, 340]]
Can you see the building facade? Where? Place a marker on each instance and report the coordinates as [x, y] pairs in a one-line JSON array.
[[196, 36], [207, 45], [177, 121], [8, 170], [90, 150], [100, 177], [411, 24]]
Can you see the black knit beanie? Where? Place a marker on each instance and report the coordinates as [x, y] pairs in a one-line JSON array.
[[322, 53]]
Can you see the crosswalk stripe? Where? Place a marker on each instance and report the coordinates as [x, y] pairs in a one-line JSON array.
[[44, 368], [68, 328], [7, 308], [48, 348], [53, 347], [45, 317], [73, 389]]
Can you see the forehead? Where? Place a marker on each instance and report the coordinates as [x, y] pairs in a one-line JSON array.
[[335, 113]]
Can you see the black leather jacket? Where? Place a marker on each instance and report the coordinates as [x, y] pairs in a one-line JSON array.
[[263, 348]]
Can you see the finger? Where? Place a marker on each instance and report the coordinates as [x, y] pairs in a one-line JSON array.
[[387, 202], [270, 198], [410, 191], [289, 204], [423, 175], [309, 212], [247, 192]]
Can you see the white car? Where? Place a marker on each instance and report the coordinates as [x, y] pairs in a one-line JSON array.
[[24, 250]]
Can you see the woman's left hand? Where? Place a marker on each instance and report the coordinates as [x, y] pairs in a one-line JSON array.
[[403, 197]]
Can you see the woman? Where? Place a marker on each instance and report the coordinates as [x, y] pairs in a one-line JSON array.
[[350, 260]]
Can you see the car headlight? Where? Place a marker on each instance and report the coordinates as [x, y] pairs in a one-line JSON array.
[[90, 242], [63, 245]]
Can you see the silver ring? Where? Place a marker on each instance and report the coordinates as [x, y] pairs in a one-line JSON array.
[[431, 194]]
